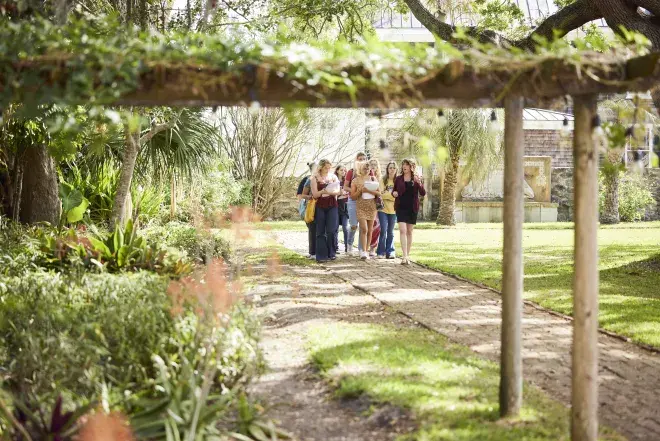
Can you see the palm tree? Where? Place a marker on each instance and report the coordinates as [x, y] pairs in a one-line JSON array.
[[179, 148], [467, 137]]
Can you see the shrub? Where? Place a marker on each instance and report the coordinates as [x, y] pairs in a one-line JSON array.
[[20, 248], [210, 197], [64, 335], [198, 244], [121, 339], [121, 250], [635, 197]]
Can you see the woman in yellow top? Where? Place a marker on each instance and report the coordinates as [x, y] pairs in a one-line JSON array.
[[387, 216]]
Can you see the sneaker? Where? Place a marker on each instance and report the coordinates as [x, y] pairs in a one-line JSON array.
[[349, 250], [364, 255], [372, 254], [311, 256], [390, 256], [404, 261], [380, 256]]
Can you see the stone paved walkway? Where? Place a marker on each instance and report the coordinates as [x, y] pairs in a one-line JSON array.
[[629, 376]]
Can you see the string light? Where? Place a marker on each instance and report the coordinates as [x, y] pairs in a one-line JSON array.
[[565, 127], [442, 119], [385, 151], [638, 163], [597, 128], [494, 126]]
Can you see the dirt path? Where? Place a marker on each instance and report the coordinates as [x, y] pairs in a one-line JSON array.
[[629, 376], [292, 304]]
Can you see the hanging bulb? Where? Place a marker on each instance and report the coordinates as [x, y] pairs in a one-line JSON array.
[[597, 128], [384, 149], [442, 119], [565, 127], [254, 108], [494, 126], [638, 163]]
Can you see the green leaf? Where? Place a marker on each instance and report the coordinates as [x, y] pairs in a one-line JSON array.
[[100, 247], [122, 256], [71, 197], [76, 213], [257, 432]]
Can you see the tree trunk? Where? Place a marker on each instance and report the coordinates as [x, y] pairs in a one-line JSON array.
[[610, 213], [173, 198], [448, 201], [131, 151], [584, 354], [40, 201], [428, 200]]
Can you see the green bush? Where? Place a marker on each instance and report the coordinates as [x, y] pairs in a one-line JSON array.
[[20, 248], [210, 196], [67, 335], [118, 339], [198, 244], [99, 190], [121, 250], [635, 197]]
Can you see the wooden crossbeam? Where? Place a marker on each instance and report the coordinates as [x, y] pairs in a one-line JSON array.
[[457, 85]]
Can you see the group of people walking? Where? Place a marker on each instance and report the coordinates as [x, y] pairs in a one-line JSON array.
[[357, 199]]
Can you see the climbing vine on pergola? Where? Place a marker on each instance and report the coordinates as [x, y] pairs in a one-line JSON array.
[[105, 64]]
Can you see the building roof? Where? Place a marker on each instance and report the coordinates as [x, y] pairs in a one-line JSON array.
[[534, 11], [545, 115]]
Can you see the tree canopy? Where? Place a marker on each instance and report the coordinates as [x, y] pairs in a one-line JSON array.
[[100, 61]]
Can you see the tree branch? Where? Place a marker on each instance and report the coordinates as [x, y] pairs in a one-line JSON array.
[[564, 20], [438, 27], [154, 131]]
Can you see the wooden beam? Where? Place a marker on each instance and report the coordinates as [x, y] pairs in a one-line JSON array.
[[456, 85], [512, 261], [584, 410]]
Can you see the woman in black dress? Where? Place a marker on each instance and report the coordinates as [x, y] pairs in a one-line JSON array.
[[408, 187]]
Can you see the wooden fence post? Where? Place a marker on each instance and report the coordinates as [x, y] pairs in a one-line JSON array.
[[584, 410], [512, 261]]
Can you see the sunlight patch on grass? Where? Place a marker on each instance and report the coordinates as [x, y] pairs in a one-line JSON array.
[[452, 392], [629, 262], [283, 255]]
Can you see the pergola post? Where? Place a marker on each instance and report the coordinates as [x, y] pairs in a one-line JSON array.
[[512, 261], [584, 411]]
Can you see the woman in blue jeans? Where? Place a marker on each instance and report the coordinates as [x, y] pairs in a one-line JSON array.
[[340, 172], [325, 189], [387, 216]]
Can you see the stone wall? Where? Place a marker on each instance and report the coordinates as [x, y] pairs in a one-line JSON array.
[[286, 208], [562, 193], [550, 143]]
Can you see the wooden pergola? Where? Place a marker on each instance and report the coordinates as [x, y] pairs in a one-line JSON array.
[[457, 84]]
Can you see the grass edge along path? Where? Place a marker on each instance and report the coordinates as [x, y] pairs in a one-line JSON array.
[[628, 264], [451, 391]]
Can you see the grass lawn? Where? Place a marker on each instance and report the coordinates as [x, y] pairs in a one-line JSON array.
[[452, 392], [629, 268]]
